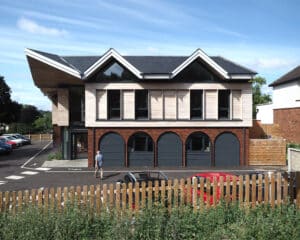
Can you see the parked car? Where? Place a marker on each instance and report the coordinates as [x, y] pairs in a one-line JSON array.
[[19, 142], [144, 176], [7, 141], [211, 176], [25, 140], [5, 149]]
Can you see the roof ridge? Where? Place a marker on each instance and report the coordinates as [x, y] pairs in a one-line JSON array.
[[71, 65], [277, 81]]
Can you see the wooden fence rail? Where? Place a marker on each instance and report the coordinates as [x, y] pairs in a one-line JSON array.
[[273, 189]]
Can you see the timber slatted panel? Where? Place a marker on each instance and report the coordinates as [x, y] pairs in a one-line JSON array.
[[169, 195], [104, 196], [241, 190], [285, 190], [163, 192], [175, 193], [92, 198], [228, 195], [182, 191], [58, 197], [208, 195], [111, 196], [124, 196], [260, 188], [14, 202], [40, 198], [247, 190], [279, 184], [20, 201], [143, 202], [156, 191], [118, 196], [188, 190], [149, 197], [98, 199], [221, 187], [52, 198], [195, 193], [266, 184], [46, 199], [272, 197], [215, 191], [234, 193], [202, 194], [1, 202], [130, 201]]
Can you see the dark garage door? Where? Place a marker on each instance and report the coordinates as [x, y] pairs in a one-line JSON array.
[[169, 150], [227, 151], [198, 150], [112, 147]]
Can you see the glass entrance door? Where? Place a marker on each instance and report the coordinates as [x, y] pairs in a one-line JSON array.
[[79, 145]]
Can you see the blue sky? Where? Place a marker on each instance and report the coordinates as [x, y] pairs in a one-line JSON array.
[[259, 34]]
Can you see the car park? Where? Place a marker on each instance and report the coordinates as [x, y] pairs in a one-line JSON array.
[[19, 142], [7, 141], [25, 140]]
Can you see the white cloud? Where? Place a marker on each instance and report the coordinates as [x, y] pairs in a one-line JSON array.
[[31, 26], [273, 63]]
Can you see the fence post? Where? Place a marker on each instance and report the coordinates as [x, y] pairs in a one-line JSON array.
[[137, 197], [298, 189], [253, 194], [20, 201], [98, 199]]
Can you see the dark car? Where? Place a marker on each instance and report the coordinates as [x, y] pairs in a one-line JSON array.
[[144, 176], [5, 148]]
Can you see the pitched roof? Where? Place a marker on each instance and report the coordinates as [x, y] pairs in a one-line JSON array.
[[292, 75], [145, 64]]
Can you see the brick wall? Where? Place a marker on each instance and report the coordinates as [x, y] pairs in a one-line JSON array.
[[57, 134], [95, 135], [289, 122], [267, 152], [259, 130]]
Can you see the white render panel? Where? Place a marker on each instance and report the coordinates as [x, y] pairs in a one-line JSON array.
[[63, 107], [90, 105], [265, 113], [156, 104], [101, 104], [286, 95], [236, 104], [211, 104], [177, 86], [170, 105], [128, 104], [183, 101], [54, 113]]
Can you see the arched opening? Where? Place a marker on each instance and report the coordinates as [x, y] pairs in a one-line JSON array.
[[169, 150], [198, 150], [227, 150], [140, 150], [112, 148]]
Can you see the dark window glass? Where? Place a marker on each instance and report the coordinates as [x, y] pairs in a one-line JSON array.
[[76, 95], [196, 72], [140, 142], [198, 142], [113, 71], [224, 104], [114, 111], [141, 104], [196, 104]]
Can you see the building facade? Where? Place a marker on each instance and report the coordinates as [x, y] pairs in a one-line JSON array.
[[148, 111]]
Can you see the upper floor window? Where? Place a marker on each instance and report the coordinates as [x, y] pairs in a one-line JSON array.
[[224, 104], [113, 71], [114, 104], [141, 104], [196, 104]]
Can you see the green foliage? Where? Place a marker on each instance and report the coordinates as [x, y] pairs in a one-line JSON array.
[[43, 123], [56, 155], [221, 222], [293, 145], [258, 96], [22, 128]]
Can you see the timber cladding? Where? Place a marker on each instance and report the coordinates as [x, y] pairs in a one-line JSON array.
[[95, 135], [270, 152]]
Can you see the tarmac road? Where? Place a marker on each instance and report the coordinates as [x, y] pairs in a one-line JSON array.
[[21, 170]]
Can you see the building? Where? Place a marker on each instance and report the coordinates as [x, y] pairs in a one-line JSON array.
[[286, 104], [148, 110]]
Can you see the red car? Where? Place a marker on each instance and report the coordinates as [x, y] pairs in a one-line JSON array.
[[211, 176], [13, 144]]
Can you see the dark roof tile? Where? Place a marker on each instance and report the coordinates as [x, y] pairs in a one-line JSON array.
[[292, 75]]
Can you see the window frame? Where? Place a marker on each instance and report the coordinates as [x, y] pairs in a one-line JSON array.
[[221, 108], [109, 108]]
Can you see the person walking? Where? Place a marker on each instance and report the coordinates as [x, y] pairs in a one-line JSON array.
[[98, 164]]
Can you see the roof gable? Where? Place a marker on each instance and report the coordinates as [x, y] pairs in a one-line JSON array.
[[143, 67]]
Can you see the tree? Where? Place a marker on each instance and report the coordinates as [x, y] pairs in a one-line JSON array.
[[5, 101], [43, 123], [29, 114], [258, 96]]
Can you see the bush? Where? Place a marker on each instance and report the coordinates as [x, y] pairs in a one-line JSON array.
[[221, 222], [56, 155]]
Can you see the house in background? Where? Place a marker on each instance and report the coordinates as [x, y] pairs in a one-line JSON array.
[[148, 110], [285, 108]]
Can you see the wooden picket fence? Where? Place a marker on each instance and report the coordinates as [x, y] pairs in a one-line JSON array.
[[40, 137], [244, 190]]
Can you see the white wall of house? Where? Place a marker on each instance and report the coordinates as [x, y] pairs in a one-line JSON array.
[[62, 118], [265, 113], [286, 95], [169, 105]]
